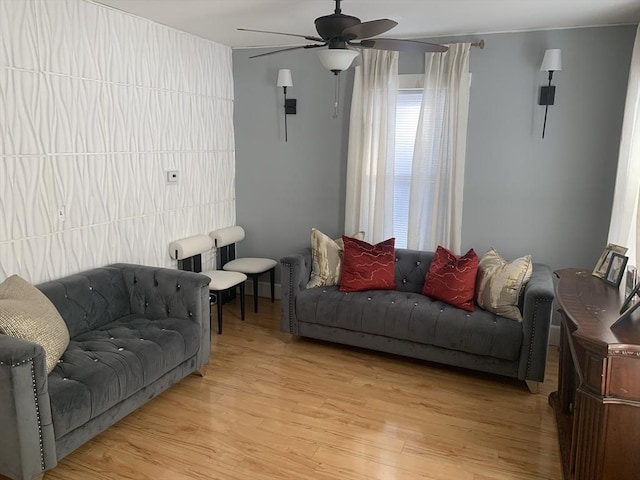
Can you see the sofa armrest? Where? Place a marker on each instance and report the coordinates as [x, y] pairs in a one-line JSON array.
[[162, 292], [27, 440], [536, 314], [296, 271]]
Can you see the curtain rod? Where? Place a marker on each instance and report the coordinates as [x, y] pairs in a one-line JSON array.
[[479, 44]]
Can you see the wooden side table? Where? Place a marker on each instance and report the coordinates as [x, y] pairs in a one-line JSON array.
[[597, 404]]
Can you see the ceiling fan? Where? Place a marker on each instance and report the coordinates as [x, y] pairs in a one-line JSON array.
[[344, 35]]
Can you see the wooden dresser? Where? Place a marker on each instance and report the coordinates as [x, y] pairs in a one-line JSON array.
[[597, 404]]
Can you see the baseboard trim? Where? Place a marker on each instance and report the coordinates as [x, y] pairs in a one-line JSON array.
[[264, 289]]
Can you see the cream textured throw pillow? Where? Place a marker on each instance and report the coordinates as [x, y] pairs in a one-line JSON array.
[[326, 259], [26, 313], [500, 283]]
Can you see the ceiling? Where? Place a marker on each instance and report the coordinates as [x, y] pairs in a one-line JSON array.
[[218, 20]]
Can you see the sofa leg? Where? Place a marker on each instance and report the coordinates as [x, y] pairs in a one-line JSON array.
[[202, 372], [534, 387]]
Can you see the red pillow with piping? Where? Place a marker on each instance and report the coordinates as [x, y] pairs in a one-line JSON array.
[[452, 279], [366, 266]]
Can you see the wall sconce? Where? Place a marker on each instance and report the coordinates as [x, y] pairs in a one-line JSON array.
[[284, 81], [552, 62]]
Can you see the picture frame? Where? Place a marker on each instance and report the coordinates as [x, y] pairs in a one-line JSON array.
[[616, 269], [628, 307], [631, 280], [628, 302], [602, 265]]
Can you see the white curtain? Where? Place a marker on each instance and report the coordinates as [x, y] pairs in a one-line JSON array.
[[369, 199], [435, 199], [623, 229]]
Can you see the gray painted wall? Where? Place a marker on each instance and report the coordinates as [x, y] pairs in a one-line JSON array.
[[284, 189], [551, 198]]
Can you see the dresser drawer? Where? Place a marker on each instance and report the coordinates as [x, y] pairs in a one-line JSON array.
[[593, 368], [624, 378], [595, 373]]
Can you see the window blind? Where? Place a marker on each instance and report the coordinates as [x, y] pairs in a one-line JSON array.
[[407, 115]]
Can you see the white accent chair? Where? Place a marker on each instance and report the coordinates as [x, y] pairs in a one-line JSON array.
[[188, 252], [225, 240]]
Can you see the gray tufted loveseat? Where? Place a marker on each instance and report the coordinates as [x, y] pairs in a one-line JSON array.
[[135, 331], [405, 322]]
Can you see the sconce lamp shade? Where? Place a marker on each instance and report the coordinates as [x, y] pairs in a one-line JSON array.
[[337, 59], [284, 78], [552, 61]]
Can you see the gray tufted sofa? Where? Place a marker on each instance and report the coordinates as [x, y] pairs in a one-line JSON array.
[[405, 322], [135, 331]]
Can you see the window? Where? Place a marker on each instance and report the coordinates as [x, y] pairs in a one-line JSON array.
[[408, 105], [407, 116]]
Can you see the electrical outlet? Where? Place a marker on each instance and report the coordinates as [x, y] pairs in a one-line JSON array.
[[61, 213], [171, 177]]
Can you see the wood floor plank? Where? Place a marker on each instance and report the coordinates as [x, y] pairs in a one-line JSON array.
[[328, 436], [272, 406], [377, 466]]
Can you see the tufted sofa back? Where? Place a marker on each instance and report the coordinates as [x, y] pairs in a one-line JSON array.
[[411, 268], [89, 299]]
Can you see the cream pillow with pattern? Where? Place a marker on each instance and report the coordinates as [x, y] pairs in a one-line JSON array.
[[326, 259], [500, 283], [27, 313]]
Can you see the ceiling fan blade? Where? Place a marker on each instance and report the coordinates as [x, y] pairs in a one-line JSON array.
[[306, 37], [368, 29], [401, 45], [287, 50]]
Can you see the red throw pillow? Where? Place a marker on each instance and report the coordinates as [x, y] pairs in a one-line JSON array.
[[452, 279], [366, 266]]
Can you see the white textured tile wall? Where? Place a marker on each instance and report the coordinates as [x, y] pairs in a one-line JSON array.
[[95, 106]]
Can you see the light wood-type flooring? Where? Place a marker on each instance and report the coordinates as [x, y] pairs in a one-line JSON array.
[[276, 407]]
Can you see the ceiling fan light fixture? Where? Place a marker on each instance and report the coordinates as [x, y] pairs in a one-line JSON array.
[[337, 59]]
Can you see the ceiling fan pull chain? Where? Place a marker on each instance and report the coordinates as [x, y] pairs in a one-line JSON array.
[[336, 107]]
